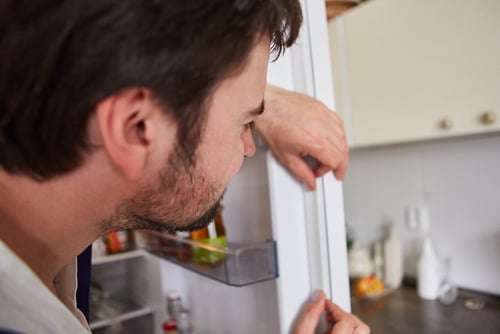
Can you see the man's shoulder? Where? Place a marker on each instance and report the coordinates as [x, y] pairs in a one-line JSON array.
[[26, 305]]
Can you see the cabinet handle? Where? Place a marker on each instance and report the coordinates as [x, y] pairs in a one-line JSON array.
[[488, 117], [446, 123]]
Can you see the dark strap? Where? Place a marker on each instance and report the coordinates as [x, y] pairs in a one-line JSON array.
[[83, 290], [8, 331]]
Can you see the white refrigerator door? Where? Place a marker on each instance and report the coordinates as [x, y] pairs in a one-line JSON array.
[[309, 227]]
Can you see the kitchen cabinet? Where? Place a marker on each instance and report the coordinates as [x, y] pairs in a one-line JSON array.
[[407, 70], [126, 294]]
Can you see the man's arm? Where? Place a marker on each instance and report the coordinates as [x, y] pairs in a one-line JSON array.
[[295, 125]]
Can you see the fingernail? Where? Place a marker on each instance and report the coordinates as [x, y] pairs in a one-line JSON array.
[[317, 295]]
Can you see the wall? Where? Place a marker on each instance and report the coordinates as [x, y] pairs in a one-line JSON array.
[[457, 179]]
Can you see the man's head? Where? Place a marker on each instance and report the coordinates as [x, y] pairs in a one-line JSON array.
[[63, 62], [183, 194]]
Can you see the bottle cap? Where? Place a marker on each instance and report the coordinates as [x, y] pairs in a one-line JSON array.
[[172, 295]]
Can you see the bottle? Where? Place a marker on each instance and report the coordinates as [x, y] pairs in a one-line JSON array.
[[174, 305], [448, 291], [214, 234], [393, 260], [428, 276], [183, 250], [184, 324], [98, 248], [359, 261], [115, 241], [378, 260], [220, 229]]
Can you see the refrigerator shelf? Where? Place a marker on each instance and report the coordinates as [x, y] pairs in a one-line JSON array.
[[236, 265], [115, 311]]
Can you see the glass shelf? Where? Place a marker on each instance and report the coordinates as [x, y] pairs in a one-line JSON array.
[[235, 265], [115, 311]]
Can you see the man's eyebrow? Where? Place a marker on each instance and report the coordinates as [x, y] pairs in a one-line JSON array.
[[257, 111]]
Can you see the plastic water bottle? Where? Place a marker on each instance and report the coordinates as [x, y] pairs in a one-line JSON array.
[[393, 260], [429, 272]]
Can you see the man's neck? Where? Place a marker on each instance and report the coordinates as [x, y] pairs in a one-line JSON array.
[[42, 225]]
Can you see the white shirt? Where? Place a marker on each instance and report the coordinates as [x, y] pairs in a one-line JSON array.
[[28, 306]]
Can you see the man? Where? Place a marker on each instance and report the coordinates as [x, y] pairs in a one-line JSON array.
[[123, 115]]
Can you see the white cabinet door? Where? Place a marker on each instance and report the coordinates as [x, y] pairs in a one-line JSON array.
[[417, 69]]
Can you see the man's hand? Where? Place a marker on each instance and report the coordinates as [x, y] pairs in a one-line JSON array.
[[295, 125], [340, 322]]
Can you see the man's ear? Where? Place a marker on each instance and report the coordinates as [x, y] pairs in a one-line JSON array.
[[126, 122]]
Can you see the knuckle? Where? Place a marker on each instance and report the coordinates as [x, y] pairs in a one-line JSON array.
[[344, 148], [364, 328]]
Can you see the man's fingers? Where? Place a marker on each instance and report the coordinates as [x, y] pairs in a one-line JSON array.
[[339, 172], [342, 322], [334, 157], [342, 327], [345, 322], [341, 169], [336, 312], [301, 170], [362, 329], [310, 317], [321, 170]]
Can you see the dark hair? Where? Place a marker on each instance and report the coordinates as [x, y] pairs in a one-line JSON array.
[[58, 59]]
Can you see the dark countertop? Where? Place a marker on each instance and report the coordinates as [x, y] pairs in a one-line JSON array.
[[403, 312]]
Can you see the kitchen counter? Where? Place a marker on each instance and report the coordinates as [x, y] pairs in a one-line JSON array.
[[403, 312]]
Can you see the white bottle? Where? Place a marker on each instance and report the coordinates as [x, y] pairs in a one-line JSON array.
[[360, 263], [429, 273], [378, 260], [393, 260], [184, 325]]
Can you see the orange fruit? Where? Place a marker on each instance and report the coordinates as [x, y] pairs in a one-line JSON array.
[[368, 286]]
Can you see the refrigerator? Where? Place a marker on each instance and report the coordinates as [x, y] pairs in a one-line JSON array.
[[264, 202]]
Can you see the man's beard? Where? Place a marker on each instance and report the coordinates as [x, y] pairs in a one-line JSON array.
[[180, 199], [142, 222]]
